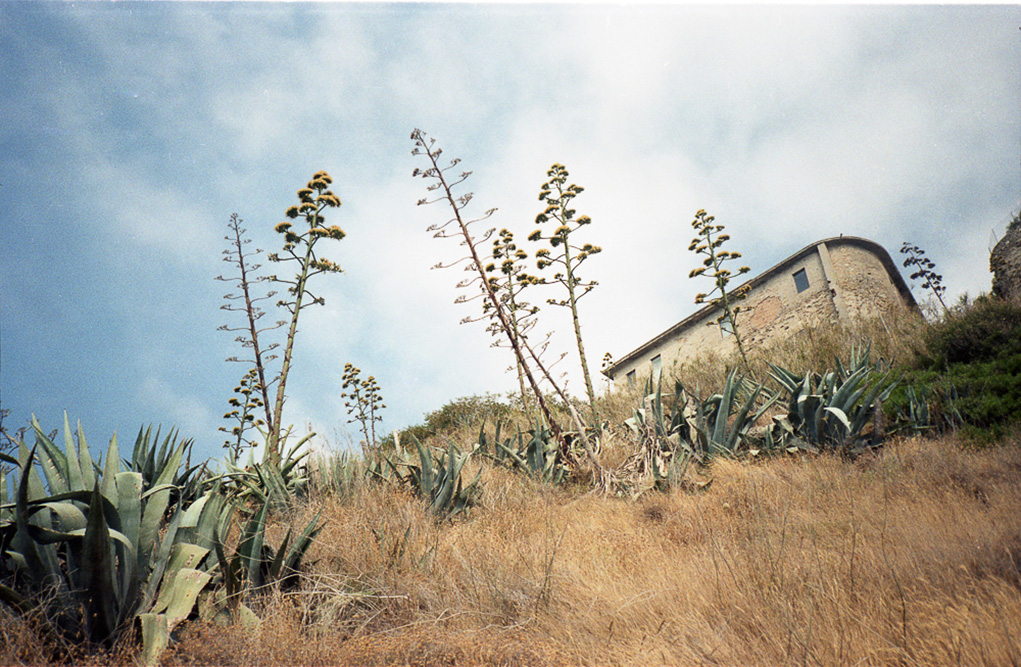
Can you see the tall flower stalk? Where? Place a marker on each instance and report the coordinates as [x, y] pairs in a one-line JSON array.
[[248, 301], [458, 227], [508, 279], [707, 242], [363, 400], [566, 258], [300, 247], [924, 269]]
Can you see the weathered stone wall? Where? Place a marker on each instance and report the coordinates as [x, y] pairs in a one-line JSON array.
[[774, 309], [847, 280], [1005, 263], [862, 282], [777, 310]]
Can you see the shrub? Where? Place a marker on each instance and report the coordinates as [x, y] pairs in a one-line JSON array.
[[988, 329]]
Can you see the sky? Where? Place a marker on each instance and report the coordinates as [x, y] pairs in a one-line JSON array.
[[131, 132]]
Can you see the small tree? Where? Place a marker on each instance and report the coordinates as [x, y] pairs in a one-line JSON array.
[[363, 401], [708, 241], [564, 257], [924, 269]]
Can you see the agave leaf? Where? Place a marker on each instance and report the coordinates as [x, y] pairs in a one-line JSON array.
[[162, 547], [97, 573], [740, 420], [74, 470], [185, 555], [278, 558], [250, 547], [112, 466], [16, 600], [844, 397], [718, 438], [185, 588], [86, 465], [51, 460], [514, 456], [155, 637], [841, 417], [22, 543], [129, 503], [878, 392], [302, 544]]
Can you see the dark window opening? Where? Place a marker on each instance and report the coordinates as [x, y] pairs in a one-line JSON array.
[[801, 280], [631, 378]]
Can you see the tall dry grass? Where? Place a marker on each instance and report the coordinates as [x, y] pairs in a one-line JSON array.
[[910, 556], [895, 337]]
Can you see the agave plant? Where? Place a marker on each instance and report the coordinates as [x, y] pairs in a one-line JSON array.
[[723, 425], [832, 410], [276, 483], [437, 480], [151, 461], [671, 431], [538, 457], [255, 565], [94, 549]]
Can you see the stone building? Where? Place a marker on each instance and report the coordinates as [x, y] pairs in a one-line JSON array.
[[835, 280], [1005, 263]]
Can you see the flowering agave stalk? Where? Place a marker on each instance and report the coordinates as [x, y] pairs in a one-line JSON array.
[[564, 257], [931, 280], [508, 279], [496, 308], [249, 336], [300, 247], [363, 400], [708, 242], [244, 405]]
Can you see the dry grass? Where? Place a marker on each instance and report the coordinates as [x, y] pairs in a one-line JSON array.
[[895, 337], [908, 557]]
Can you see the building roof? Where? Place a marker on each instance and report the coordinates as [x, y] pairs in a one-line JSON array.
[[704, 312]]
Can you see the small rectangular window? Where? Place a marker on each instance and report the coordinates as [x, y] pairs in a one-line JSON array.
[[631, 378], [657, 365], [801, 280]]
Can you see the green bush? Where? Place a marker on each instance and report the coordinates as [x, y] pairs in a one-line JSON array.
[[970, 372], [988, 329], [465, 412]]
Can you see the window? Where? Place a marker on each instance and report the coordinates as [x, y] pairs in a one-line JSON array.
[[726, 327], [657, 365], [801, 280], [631, 378]]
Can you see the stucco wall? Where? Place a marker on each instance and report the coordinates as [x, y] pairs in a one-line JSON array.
[[772, 309]]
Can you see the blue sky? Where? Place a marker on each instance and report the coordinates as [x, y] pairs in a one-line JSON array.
[[132, 131]]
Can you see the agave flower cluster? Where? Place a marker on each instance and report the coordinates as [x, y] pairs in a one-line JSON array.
[[707, 242], [508, 278], [563, 256], [245, 403], [363, 401], [300, 247]]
